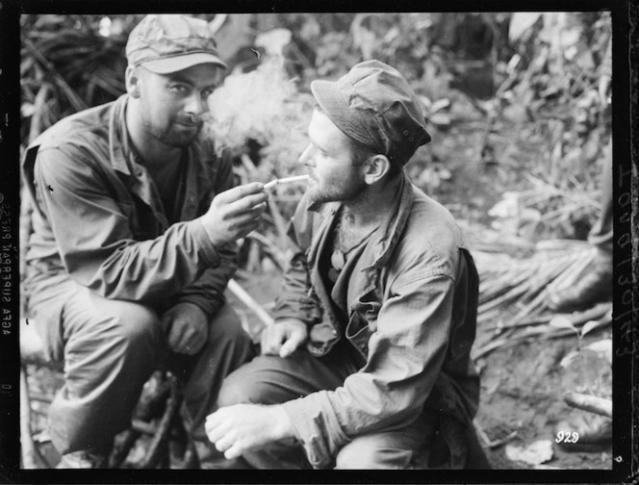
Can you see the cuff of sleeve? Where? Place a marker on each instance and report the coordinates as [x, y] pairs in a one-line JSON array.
[[207, 305], [204, 243], [316, 429]]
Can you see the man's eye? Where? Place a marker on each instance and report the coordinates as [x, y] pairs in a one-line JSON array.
[[207, 92], [178, 88]]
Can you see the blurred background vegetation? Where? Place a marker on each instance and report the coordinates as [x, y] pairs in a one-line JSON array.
[[517, 103]]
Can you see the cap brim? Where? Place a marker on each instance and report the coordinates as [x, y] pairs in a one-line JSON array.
[[168, 65]]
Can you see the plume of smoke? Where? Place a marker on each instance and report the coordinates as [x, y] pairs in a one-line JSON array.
[[263, 105]]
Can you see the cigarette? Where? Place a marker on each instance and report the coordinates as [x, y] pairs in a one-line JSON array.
[[286, 180]]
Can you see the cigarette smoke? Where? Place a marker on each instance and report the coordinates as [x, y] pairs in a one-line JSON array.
[[266, 106]]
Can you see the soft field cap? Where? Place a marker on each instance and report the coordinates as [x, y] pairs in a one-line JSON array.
[[169, 43], [374, 105]]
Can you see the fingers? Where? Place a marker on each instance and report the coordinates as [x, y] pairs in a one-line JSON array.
[[271, 339], [291, 345], [176, 336], [253, 203], [240, 192], [221, 430], [234, 451], [213, 429], [296, 337]]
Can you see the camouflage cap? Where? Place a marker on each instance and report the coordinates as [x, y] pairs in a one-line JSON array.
[[374, 105], [169, 43]]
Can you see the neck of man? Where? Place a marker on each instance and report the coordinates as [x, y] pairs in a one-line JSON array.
[[152, 150], [372, 207]]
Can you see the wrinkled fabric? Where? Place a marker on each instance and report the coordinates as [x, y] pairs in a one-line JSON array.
[[411, 302], [99, 218], [103, 264], [270, 379]]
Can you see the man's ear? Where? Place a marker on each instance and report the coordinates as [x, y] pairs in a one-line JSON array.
[[375, 168], [132, 81]]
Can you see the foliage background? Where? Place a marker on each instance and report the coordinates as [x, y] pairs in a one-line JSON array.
[[517, 103]]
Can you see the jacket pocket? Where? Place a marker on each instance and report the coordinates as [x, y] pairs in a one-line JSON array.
[[362, 324]]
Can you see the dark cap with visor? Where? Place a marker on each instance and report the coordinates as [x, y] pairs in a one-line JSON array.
[[374, 105], [169, 43]]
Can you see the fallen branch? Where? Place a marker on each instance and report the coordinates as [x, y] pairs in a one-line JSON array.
[[593, 404], [122, 448], [157, 447], [143, 427], [250, 303], [488, 443]]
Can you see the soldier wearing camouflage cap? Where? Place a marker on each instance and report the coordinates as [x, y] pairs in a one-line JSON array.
[[368, 363], [135, 224]]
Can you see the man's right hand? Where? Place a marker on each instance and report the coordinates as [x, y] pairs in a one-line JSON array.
[[234, 213], [283, 337]]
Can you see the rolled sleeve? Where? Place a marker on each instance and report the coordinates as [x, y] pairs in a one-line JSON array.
[[405, 357], [207, 292], [95, 241]]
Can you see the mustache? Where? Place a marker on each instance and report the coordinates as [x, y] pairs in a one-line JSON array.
[[188, 119]]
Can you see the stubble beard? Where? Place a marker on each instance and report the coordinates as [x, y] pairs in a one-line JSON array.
[[336, 190], [171, 136]]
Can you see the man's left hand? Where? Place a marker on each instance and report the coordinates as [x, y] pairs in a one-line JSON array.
[[187, 325], [241, 427]]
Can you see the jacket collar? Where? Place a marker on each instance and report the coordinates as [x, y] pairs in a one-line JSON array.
[[120, 149], [127, 162], [383, 243]]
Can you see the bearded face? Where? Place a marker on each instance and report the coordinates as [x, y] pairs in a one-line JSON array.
[[172, 105], [329, 157]]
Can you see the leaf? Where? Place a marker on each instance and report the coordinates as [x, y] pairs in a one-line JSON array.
[[603, 347], [589, 327], [568, 359], [440, 119], [562, 321], [26, 110], [425, 101], [520, 22], [363, 38], [440, 104], [445, 174], [534, 454]]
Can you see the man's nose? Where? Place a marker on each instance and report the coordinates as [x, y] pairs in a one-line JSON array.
[[196, 104], [306, 158]]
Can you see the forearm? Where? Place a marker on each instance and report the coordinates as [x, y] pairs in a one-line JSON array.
[[146, 270]]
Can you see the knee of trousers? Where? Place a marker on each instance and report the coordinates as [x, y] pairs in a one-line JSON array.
[[136, 327], [244, 385], [226, 327], [368, 452]]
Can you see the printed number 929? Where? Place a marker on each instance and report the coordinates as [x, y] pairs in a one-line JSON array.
[[567, 437]]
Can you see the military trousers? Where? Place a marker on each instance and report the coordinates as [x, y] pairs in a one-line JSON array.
[[109, 349]]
